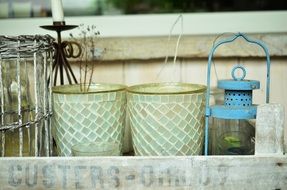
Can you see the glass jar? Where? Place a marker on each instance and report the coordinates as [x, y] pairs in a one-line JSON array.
[[232, 137], [226, 136], [96, 149]]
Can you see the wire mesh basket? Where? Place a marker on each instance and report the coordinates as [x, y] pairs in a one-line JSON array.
[[25, 64], [85, 117], [167, 119]]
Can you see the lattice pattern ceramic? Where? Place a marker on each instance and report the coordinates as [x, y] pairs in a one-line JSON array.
[[81, 118], [167, 124]]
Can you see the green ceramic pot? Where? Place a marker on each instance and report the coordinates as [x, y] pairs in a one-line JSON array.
[[167, 119], [84, 117]]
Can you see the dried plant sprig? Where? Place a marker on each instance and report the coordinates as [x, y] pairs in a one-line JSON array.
[[87, 37]]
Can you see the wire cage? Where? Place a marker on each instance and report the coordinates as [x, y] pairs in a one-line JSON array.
[[25, 103]]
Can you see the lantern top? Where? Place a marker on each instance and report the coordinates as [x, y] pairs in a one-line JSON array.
[[238, 82], [230, 84]]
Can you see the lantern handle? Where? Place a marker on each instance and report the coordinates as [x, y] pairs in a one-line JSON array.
[[210, 57], [243, 73]]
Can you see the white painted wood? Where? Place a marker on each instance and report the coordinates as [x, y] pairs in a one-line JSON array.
[[197, 172], [269, 129], [160, 24], [190, 46], [138, 72], [194, 71]]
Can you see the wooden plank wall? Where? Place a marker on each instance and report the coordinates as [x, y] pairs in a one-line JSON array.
[[137, 60]]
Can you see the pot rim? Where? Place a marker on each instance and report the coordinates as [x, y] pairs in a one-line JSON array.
[[153, 88], [94, 88]]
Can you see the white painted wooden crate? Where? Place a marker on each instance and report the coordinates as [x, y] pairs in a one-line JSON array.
[[267, 169]]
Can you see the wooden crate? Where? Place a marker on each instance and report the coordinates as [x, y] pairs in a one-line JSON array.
[[212, 172], [267, 169]]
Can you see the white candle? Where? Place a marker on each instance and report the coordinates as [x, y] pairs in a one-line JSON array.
[[57, 10]]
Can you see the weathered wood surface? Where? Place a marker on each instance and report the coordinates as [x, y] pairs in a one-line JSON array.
[[269, 129], [197, 172], [191, 46]]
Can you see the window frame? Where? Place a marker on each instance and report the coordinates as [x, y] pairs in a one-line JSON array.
[[159, 24]]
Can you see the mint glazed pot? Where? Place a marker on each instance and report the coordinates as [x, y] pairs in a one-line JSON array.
[[167, 119], [85, 117]]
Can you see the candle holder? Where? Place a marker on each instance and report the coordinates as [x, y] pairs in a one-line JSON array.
[[63, 50]]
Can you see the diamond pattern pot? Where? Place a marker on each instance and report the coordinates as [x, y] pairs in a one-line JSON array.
[[97, 115], [167, 118]]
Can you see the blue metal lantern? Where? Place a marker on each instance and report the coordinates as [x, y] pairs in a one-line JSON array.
[[237, 92]]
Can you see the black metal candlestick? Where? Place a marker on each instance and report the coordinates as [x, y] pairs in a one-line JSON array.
[[63, 51]]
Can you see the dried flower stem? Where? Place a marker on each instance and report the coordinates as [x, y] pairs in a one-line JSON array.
[[88, 35]]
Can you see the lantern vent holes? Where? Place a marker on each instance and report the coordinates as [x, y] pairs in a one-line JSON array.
[[238, 98]]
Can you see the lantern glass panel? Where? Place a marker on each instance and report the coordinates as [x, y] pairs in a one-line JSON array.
[[231, 137]]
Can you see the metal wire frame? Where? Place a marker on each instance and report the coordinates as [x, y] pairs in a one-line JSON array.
[[18, 49]]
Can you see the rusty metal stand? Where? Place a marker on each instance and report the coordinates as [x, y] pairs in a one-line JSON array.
[[63, 50]]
